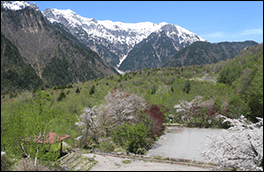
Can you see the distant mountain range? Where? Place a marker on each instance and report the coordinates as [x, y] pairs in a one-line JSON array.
[[130, 47], [206, 53], [113, 41], [63, 47]]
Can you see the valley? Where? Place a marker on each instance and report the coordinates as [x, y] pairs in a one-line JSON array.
[[121, 87]]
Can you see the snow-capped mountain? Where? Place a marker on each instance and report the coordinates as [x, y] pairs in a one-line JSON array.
[[114, 40], [18, 5], [125, 33], [118, 37]]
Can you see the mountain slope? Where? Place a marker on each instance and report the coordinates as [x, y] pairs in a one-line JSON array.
[[206, 53], [56, 56], [15, 73], [245, 74], [149, 53], [114, 40]]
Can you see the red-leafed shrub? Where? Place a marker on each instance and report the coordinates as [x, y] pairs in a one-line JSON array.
[[157, 115], [199, 116]]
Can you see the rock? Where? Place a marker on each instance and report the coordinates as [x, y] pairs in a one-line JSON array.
[[119, 153], [131, 154], [3, 153], [77, 168], [97, 150], [65, 145], [91, 158]]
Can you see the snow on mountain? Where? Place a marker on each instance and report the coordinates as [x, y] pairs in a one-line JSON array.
[[125, 33], [117, 37], [18, 5], [111, 40]]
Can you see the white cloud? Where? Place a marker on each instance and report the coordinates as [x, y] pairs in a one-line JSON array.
[[213, 35], [252, 31], [241, 35]]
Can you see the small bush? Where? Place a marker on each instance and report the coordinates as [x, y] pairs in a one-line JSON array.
[[106, 146], [132, 138], [157, 115], [187, 87], [5, 163], [126, 161], [92, 90], [61, 96], [54, 88], [25, 164], [77, 90], [25, 96], [12, 95], [88, 143], [70, 86], [62, 87]]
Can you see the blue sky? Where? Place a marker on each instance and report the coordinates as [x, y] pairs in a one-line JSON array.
[[215, 21]]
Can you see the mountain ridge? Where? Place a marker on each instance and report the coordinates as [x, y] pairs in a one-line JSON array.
[[57, 57], [114, 40], [206, 53]]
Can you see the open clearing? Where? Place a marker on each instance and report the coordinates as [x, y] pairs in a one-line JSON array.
[[180, 142]]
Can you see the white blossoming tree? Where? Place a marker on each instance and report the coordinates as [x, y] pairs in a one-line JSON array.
[[183, 108], [123, 106], [88, 123], [119, 108], [241, 147]]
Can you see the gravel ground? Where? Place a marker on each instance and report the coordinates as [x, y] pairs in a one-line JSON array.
[[109, 163], [184, 143]]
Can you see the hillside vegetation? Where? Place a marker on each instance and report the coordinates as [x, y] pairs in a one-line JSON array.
[[16, 75], [231, 88], [204, 52]]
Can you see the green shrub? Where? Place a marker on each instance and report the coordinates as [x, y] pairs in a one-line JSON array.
[[92, 90], [6, 163], [106, 146], [61, 96], [126, 161], [54, 88], [70, 86], [77, 90], [187, 87], [49, 152], [132, 138]]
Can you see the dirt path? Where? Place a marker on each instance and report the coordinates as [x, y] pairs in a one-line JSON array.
[[109, 163]]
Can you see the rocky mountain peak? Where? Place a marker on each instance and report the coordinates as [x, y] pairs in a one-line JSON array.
[[18, 5], [114, 40]]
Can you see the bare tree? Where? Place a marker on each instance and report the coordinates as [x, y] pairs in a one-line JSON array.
[[240, 148]]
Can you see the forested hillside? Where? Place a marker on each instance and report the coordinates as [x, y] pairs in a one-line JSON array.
[[204, 52], [245, 74], [136, 104], [16, 75]]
